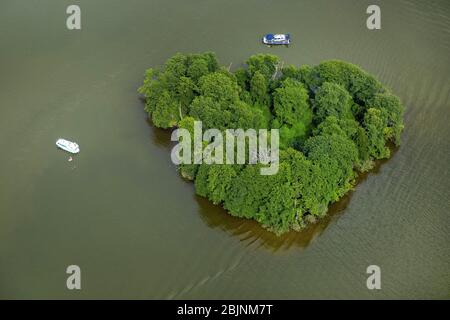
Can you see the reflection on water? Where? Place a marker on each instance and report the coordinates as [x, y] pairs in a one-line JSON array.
[[252, 233], [160, 137]]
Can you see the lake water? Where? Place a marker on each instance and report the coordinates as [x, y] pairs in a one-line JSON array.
[[123, 214]]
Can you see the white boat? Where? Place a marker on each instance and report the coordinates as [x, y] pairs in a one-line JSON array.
[[276, 39], [67, 145]]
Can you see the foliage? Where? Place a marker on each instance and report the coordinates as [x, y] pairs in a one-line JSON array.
[[259, 90], [332, 100], [266, 64], [291, 103], [334, 120]]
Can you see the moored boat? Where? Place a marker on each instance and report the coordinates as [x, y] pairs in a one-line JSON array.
[[276, 39], [68, 146]]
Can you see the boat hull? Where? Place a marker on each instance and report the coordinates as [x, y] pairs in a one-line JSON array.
[[279, 39], [68, 146]]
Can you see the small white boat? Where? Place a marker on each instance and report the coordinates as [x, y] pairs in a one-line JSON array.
[[276, 39], [67, 145]]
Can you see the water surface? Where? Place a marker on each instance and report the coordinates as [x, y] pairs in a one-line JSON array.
[[137, 230]]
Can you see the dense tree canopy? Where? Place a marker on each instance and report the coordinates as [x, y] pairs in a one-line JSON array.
[[334, 120]]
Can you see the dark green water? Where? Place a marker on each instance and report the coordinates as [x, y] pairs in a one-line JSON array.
[[121, 212]]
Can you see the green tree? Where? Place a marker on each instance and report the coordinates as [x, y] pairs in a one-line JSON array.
[[219, 87], [188, 171], [392, 112], [361, 86], [335, 157], [375, 123], [292, 136], [291, 103], [247, 193], [277, 210], [211, 58], [198, 68], [242, 79], [166, 113], [174, 69], [266, 64], [185, 93], [332, 100], [211, 112], [350, 129], [214, 181], [302, 74], [259, 89]]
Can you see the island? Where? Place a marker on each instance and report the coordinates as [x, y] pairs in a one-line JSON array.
[[334, 120]]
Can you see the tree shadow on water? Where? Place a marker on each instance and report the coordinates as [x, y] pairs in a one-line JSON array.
[[252, 234], [160, 137]]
